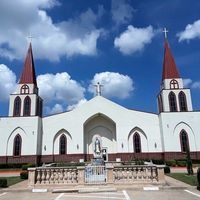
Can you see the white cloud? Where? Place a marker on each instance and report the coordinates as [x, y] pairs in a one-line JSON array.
[[191, 84], [60, 87], [7, 82], [81, 102], [57, 108], [196, 85], [76, 36], [133, 39], [114, 85], [191, 31], [187, 82], [121, 12]]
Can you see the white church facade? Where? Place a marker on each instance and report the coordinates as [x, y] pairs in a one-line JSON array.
[[28, 137]]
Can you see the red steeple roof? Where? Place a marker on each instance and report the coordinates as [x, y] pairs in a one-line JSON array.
[[169, 66], [28, 73]]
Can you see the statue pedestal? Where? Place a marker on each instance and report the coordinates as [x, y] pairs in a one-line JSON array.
[[97, 161]]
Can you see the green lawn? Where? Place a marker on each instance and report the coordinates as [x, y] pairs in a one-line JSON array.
[[191, 180], [13, 180]]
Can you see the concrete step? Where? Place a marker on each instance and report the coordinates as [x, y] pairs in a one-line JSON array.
[[85, 190]]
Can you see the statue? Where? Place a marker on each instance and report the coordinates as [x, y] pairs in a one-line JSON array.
[[97, 146]]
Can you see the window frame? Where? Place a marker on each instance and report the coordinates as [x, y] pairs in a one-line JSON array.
[[28, 113], [183, 143], [15, 114], [174, 84], [19, 146], [137, 143], [24, 89], [172, 104], [61, 150], [182, 101]]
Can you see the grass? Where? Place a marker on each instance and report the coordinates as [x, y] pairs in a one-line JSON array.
[[13, 180], [191, 180]]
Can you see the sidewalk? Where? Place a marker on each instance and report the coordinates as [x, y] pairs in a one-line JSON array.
[[9, 173]]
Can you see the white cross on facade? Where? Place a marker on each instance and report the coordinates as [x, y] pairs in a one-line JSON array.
[[98, 89], [165, 31]]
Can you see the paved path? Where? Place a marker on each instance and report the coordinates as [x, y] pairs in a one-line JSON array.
[[172, 190], [119, 195], [9, 173]]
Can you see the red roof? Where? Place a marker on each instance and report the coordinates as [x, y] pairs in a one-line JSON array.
[[169, 66], [28, 73]]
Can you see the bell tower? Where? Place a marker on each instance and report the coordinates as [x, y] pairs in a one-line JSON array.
[[25, 101], [173, 97]]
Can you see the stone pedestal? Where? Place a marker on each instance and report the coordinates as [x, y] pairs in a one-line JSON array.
[[109, 174], [31, 177], [81, 175], [97, 161], [161, 175]]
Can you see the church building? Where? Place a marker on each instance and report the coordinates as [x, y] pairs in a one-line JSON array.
[[100, 125]]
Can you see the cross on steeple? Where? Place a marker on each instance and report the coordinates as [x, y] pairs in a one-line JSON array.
[[30, 37], [98, 89], [165, 31]]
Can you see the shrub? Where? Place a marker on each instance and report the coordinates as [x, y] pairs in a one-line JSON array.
[[70, 164], [171, 163], [24, 175], [167, 170], [195, 161], [3, 182], [158, 162], [11, 165], [198, 176], [139, 162], [181, 163], [25, 167]]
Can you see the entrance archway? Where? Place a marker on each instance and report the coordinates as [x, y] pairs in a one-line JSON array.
[[102, 127]]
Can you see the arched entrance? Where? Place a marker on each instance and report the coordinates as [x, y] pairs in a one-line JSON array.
[[102, 127]]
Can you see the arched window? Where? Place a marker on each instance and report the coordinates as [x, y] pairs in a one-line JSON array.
[[27, 106], [63, 144], [174, 84], [172, 102], [24, 89], [17, 106], [184, 141], [136, 143], [182, 101], [17, 145]]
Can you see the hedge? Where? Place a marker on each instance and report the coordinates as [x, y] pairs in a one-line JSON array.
[[25, 167], [24, 175], [3, 182], [167, 170]]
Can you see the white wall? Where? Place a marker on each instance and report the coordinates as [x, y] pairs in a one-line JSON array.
[[27, 127], [173, 123], [125, 120]]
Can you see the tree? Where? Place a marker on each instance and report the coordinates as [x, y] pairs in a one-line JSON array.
[[189, 162]]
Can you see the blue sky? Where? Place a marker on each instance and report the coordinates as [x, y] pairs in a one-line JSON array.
[[119, 43]]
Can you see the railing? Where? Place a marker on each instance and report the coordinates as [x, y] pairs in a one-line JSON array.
[[95, 174], [56, 175], [125, 174]]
